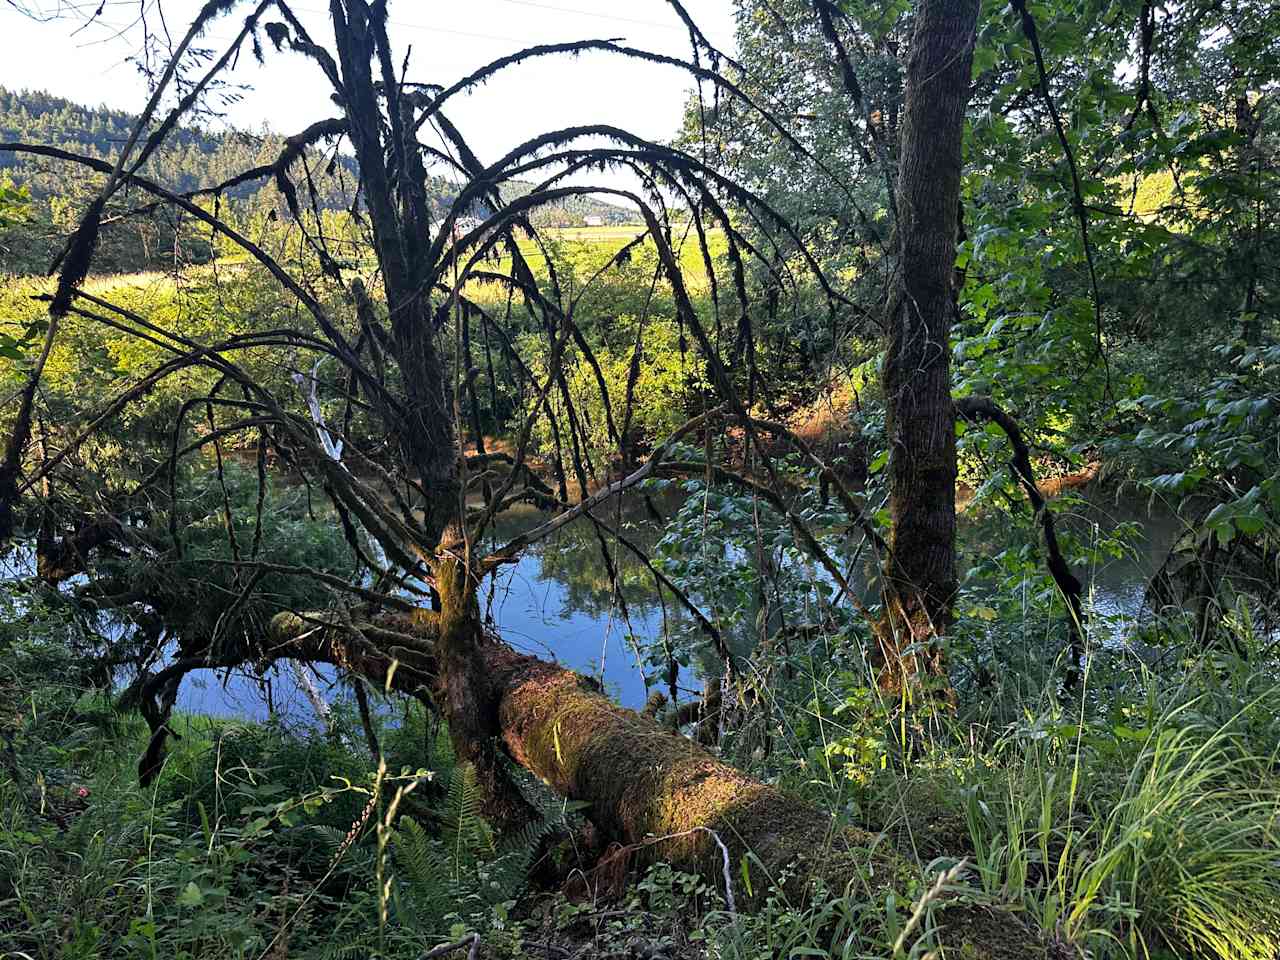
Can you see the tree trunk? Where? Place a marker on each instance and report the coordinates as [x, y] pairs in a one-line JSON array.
[[424, 420], [921, 570], [657, 792], [644, 782], [468, 701]]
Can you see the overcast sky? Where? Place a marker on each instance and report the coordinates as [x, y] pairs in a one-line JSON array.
[[448, 39]]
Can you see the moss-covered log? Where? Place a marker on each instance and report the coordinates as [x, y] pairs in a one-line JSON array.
[[645, 782], [665, 795]]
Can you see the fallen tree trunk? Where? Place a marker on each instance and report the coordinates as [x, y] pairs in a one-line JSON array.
[[644, 782], [661, 793]]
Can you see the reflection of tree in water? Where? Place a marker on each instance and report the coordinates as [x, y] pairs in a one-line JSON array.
[[572, 558]]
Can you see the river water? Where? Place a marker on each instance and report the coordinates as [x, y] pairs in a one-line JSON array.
[[556, 603]]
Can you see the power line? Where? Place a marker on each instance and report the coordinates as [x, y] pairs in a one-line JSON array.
[[430, 29], [521, 3], [592, 13]]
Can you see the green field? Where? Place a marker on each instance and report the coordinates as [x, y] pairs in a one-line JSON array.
[[623, 232]]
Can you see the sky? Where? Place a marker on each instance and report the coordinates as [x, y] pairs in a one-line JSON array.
[[50, 47]]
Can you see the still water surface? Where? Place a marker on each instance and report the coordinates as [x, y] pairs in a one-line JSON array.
[[556, 603]]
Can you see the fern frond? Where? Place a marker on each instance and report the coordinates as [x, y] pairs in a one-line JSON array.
[[467, 834], [465, 870], [426, 882]]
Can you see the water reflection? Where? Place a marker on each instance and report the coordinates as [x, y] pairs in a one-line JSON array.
[[1115, 585], [558, 602]]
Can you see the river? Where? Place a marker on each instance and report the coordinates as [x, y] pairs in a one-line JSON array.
[[556, 603]]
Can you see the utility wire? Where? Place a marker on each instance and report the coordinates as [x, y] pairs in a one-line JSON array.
[[592, 13], [519, 3]]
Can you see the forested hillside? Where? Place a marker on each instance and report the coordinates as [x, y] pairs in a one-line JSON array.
[[870, 552], [192, 159]]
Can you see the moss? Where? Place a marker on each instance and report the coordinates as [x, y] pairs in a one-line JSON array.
[[976, 933], [923, 813], [579, 743], [644, 782]]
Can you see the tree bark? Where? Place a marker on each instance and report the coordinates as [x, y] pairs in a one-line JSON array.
[[465, 695], [921, 569]]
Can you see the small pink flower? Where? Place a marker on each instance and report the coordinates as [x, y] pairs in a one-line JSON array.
[[82, 792]]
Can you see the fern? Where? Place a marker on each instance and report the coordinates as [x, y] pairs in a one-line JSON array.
[[358, 949], [356, 857], [467, 835], [465, 871], [426, 887], [457, 871]]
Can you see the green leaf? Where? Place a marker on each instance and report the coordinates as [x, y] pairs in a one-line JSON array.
[[984, 58], [191, 895], [1130, 733]]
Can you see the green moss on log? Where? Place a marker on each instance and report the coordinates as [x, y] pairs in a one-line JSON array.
[[643, 782]]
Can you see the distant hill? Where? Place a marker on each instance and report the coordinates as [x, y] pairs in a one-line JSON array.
[[194, 158]]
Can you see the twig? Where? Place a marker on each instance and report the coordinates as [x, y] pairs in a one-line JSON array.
[[724, 853], [472, 938], [1081, 211]]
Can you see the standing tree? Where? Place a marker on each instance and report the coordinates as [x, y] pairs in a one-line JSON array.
[[920, 420]]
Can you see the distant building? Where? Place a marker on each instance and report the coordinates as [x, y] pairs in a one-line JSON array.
[[593, 220], [464, 225]]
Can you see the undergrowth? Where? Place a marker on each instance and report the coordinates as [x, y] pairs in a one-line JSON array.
[[1135, 820]]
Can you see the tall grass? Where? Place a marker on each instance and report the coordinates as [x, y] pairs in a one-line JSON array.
[[1162, 839]]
